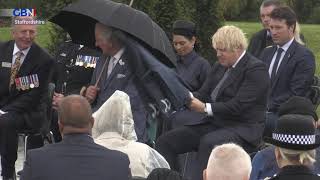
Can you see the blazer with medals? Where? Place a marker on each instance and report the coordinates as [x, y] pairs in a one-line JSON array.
[[294, 76], [25, 103], [241, 101]]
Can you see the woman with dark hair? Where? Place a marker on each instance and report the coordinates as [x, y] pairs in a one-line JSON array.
[[191, 67]]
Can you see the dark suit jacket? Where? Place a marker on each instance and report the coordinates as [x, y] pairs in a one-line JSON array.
[[258, 42], [76, 157], [122, 78], [25, 103], [294, 76], [241, 101]]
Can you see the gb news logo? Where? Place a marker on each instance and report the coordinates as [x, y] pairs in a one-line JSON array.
[[22, 12]]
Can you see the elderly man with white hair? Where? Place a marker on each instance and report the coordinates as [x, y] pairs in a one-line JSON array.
[[228, 162]]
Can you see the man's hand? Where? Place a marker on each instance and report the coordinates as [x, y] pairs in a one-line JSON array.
[[197, 105], [56, 99], [91, 93]]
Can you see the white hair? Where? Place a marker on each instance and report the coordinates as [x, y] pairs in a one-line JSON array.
[[228, 162]]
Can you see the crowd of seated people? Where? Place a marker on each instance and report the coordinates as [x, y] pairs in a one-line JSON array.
[[250, 104]]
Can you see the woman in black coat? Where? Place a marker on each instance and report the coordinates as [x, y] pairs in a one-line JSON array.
[[191, 67]]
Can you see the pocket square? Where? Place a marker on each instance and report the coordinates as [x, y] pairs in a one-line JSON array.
[[120, 76]]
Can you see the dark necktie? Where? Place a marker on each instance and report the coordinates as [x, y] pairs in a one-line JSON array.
[[217, 88], [275, 64]]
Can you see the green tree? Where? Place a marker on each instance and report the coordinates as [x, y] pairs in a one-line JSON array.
[[209, 18], [165, 13]]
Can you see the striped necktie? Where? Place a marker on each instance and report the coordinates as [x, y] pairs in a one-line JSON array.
[[15, 68]]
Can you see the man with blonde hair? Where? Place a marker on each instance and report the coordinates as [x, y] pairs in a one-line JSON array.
[[232, 101], [228, 162]]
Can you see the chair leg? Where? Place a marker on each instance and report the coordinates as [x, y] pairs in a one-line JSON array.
[[26, 137]]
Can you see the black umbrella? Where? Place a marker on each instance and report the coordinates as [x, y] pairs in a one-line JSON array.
[[79, 19]]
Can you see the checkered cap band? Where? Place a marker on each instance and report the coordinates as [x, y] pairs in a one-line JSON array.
[[295, 139]]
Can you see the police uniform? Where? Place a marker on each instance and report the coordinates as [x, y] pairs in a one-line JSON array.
[[74, 67], [295, 173]]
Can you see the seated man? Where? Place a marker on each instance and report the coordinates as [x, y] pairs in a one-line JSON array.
[[264, 163], [76, 156], [24, 74], [228, 162], [236, 96]]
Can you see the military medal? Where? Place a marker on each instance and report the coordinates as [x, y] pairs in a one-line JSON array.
[[86, 63], [36, 82], [77, 60], [27, 82], [31, 81], [18, 84], [22, 83]]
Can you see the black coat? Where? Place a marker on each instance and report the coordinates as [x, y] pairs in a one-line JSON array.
[[76, 157], [258, 42], [295, 173]]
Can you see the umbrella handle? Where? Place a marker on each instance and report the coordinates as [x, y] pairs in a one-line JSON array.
[[100, 74]]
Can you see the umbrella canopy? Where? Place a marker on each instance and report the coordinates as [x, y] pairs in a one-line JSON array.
[[79, 20]]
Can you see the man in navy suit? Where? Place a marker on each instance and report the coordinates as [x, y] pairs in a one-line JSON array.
[[233, 102], [291, 66], [24, 74], [76, 156], [113, 73]]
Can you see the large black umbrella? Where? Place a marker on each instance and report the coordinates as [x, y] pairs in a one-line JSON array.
[[79, 19]]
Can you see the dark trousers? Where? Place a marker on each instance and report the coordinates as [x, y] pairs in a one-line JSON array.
[[271, 123], [202, 138], [9, 123]]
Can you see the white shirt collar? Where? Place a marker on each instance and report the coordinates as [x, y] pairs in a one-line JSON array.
[[286, 46], [16, 49], [118, 55], [235, 64]]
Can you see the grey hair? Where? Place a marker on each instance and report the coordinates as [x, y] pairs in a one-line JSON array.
[[113, 34]]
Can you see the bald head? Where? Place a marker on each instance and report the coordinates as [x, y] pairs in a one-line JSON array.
[[74, 112]]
